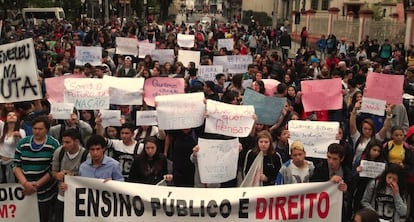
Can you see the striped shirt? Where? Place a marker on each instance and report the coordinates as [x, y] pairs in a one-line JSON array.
[[35, 163]]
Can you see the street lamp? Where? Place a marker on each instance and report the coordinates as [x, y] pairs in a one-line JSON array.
[[146, 10]]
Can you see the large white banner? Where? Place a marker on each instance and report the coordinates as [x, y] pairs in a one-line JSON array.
[[15, 206], [217, 160], [186, 41], [125, 91], [186, 56], [180, 111], [229, 120], [88, 54], [92, 200], [209, 72], [19, 79], [86, 93], [316, 136], [126, 46], [145, 48]]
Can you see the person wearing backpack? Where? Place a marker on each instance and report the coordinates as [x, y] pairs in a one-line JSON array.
[[66, 161], [397, 150], [123, 150], [73, 122]]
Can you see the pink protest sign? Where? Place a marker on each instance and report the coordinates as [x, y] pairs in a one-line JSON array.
[[384, 87], [55, 86], [270, 86], [161, 86], [321, 95]]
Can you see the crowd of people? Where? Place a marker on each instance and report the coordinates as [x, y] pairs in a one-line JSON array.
[[38, 151]]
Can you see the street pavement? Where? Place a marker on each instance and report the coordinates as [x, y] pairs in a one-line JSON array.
[[197, 17]]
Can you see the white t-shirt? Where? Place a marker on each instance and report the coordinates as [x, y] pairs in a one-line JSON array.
[[362, 144], [299, 175], [8, 148]]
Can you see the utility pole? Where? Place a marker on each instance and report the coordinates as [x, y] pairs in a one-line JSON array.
[[106, 11], [274, 15]]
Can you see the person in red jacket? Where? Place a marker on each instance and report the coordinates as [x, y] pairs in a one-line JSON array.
[[332, 61]]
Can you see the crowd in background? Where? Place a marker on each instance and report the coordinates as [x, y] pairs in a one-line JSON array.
[[32, 141]]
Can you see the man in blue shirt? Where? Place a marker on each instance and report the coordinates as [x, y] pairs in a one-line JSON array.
[[99, 165]]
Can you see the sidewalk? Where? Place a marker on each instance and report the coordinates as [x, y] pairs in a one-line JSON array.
[[293, 50]]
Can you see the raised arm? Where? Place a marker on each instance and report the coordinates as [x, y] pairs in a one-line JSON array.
[[352, 120], [99, 128], [387, 123]]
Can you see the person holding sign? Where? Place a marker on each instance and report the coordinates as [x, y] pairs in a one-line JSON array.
[[144, 132], [361, 139], [271, 160], [384, 195], [72, 123], [150, 166], [66, 161], [373, 152], [182, 143], [331, 169]]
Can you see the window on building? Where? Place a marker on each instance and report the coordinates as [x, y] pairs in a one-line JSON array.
[[325, 4], [314, 4]]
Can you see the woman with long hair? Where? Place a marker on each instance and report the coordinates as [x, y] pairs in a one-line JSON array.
[[167, 69], [179, 69], [5, 109], [150, 166], [11, 133], [89, 117], [385, 194], [271, 160], [236, 84], [368, 132], [373, 152]]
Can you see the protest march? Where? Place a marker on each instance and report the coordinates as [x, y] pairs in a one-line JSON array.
[[108, 122]]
